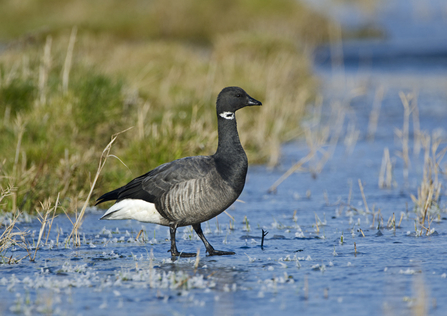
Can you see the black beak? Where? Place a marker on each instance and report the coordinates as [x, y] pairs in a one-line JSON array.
[[252, 101]]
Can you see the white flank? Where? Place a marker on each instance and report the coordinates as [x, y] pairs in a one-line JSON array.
[[227, 115], [134, 209]]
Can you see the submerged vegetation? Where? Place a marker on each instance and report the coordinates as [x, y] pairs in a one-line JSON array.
[[71, 77]]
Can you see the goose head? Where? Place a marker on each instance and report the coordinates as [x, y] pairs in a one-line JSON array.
[[231, 99]]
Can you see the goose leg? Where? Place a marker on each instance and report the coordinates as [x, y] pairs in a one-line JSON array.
[[208, 246], [174, 251]]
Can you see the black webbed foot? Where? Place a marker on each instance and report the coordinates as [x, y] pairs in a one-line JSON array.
[[219, 253], [209, 249]]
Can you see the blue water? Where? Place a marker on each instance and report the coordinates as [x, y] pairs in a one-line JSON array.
[[301, 268]]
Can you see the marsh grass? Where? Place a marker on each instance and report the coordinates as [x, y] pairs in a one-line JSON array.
[[102, 162], [386, 171], [427, 202], [66, 88], [8, 238], [375, 112], [322, 139], [45, 220], [403, 134], [363, 197]]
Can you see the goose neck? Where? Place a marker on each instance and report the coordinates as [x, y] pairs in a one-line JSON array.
[[228, 137]]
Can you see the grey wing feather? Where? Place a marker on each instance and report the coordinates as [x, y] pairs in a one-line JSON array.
[[160, 180], [152, 185]]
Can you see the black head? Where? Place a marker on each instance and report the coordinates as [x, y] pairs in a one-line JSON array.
[[231, 99]]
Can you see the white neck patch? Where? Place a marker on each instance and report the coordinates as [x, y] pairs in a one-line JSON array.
[[227, 115]]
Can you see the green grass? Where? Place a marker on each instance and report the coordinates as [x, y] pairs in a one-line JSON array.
[[156, 66]]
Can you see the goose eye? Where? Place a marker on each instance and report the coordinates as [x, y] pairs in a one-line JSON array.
[[238, 95]]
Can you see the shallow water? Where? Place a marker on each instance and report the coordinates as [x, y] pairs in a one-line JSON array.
[[301, 268]]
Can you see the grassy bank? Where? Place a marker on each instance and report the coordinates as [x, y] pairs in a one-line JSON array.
[[156, 66]]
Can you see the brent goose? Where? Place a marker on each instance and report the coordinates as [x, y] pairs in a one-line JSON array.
[[191, 190]]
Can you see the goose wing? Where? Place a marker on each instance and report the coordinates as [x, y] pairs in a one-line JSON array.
[[160, 181]]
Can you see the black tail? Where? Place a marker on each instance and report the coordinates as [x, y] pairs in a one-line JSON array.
[[109, 196]]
